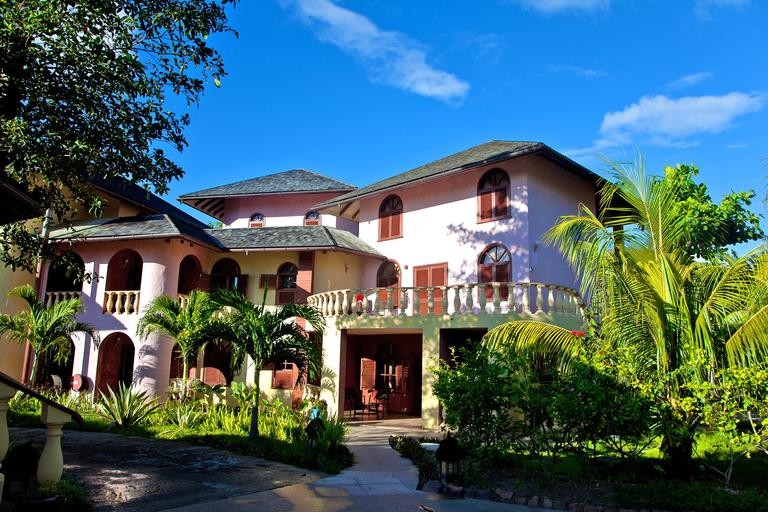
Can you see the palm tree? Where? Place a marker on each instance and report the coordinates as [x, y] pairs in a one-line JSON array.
[[666, 322], [191, 326], [49, 331], [270, 335]]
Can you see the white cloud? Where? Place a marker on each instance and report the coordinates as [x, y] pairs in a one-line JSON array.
[[391, 58], [689, 80], [554, 6], [663, 118], [588, 73], [662, 121]]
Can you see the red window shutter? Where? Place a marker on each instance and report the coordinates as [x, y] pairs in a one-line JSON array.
[[486, 205], [502, 273], [286, 297], [401, 378], [396, 225], [486, 273], [384, 221], [500, 202], [268, 281], [205, 282], [242, 283], [367, 374]]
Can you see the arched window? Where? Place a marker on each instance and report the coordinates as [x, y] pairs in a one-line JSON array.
[[65, 273], [226, 274], [312, 218], [391, 218], [286, 283], [388, 276], [257, 221], [494, 266], [493, 196], [124, 271], [190, 271]]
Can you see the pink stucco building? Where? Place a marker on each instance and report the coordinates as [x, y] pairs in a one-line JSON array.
[[403, 269]]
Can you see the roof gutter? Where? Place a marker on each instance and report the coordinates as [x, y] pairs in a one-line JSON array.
[[307, 248]]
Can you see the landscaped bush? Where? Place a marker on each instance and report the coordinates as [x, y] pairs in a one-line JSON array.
[[127, 407], [479, 393]]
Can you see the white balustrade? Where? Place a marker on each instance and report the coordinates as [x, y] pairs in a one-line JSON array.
[[454, 300], [54, 416], [121, 302], [52, 298]]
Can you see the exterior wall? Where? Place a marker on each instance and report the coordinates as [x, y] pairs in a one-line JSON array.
[[553, 193], [160, 270], [12, 353], [334, 363], [278, 210], [440, 225]]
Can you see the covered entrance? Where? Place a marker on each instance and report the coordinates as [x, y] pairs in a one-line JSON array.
[[115, 362], [382, 375]]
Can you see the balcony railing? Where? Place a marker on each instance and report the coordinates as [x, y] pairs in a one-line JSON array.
[[52, 298], [121, 302], [458, 299], [54, 416]]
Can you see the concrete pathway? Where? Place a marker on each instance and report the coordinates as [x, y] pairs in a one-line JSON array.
[[380, 480]]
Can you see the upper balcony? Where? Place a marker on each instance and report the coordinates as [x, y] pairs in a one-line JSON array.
[[523, 299]]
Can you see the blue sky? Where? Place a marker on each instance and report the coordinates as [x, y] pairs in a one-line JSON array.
[[361, 90]]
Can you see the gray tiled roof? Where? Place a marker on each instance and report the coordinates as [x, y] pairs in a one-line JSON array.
[[298, 180], [493, 151], [143, 197], [141, 226], [289, 237]]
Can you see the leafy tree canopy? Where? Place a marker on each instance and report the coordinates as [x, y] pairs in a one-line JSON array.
[[710, 226], [84, 91]]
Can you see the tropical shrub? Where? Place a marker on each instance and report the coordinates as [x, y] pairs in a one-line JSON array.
[[244, 394], [667, 322], [278, 421], [183, 415], [479, 392], [126, 407]]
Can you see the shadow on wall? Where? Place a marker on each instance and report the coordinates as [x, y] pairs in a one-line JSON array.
[[501, 232], [328, 380], [146, 369]]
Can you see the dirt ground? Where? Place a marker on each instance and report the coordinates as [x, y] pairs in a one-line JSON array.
[[138, 474]]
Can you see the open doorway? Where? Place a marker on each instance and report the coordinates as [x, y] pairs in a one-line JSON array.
[[383, 371]]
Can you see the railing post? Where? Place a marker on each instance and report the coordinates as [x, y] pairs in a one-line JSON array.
[[402, 305], [416, 301], [51, 463], [539, 298], [482, 300], [390, 302], [456, 299], [550, 299], [430, 300], [526, 297], [444, 301], [510, 297], [345, 303], [469, 302], [496, 298]]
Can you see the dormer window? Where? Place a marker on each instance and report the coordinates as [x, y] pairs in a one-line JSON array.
[[493, 196], [257, 221], [312, 218], [391, 218]]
